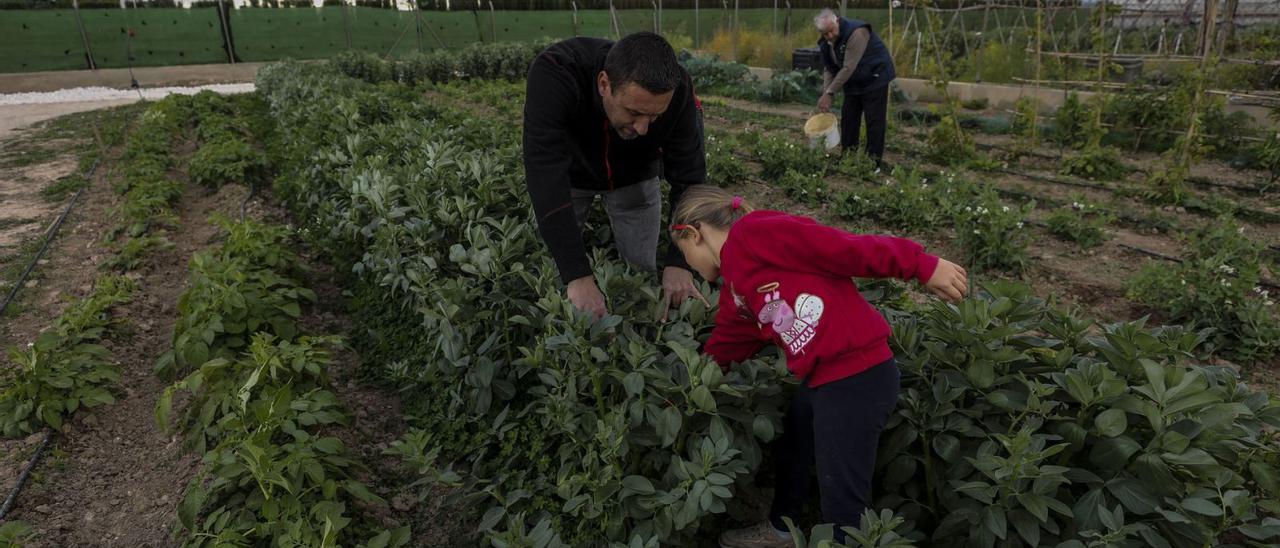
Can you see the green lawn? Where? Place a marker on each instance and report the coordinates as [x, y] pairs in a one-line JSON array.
[[48, 39]]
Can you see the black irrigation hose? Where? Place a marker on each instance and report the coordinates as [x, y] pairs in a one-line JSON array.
[[253, 189], [26, 473], [53, 231], [48, 239]]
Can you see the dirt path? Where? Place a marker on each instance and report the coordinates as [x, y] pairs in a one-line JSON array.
[[113, 477], [116, 478], [13, 118]]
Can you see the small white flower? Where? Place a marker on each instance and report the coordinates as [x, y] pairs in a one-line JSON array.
[[1268, 302], [1240, 230], [1006, 209], [1184, 282], [1225, 283], [975, 231], [877, 171], [968, 209], [1019, 224], [1228, 302], [29, 345]]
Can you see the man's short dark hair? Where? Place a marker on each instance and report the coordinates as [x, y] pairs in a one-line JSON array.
[[644, 59]]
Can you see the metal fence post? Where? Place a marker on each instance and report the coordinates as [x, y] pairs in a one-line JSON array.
[[346, 25], [228, 44], [84, 36], [575, 17]]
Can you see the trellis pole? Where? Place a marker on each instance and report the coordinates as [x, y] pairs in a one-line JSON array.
[[84, 36]]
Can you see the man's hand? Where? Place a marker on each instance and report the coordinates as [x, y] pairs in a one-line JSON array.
[[824, 103], [586, 297], [677, 286], [949, 281]]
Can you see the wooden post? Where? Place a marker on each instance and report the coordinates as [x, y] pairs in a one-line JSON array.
[[346, 26], [1208, 23], [1228, 26], [697, 26], [475, 14], [890, 28], [228, 44], [613, 13], [575, 17], [84, 36], [916, 68], [417, 22], [786, 30]]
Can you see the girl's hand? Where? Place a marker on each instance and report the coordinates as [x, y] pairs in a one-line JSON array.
[[949, 281]]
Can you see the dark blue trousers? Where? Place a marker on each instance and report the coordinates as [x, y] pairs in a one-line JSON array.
[[836, 427]]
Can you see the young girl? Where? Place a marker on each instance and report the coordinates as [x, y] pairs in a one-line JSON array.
[[788, 280]]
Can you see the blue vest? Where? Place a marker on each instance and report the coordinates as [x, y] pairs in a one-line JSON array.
[[874, 70]]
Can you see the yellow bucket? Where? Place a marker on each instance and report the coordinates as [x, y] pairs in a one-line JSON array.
[[823, 128]]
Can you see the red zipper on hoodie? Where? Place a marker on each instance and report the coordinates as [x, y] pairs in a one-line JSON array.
[[608, 169]]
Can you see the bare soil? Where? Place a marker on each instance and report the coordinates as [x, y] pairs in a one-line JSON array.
[[114, 477]]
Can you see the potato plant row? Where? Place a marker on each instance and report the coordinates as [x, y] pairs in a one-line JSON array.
[[258, 405]]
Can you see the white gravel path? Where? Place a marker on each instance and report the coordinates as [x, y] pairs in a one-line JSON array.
[[79, 95], [18, 110]]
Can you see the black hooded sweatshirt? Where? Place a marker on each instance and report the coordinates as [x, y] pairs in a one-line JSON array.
[[569, 143]]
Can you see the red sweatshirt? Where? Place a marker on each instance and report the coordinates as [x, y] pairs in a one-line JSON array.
[[788, 279]]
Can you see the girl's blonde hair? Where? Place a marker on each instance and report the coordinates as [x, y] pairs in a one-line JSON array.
[[707, 205]]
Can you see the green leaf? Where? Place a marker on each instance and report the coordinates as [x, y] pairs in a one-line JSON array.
[[190, 507], [1202, 507], [1027, 527], [1114, 453], [361, 491], [1191, 457], [638, 484], [1133, 495], [633, 383], [763, 428], [1111, 423], [702, 398], [164, 408], [1035, 504], [331, 446], [1260, 532], [491, 518], [1086, 510], [292, 309], [946, 446], [669, 425], [993, 518]]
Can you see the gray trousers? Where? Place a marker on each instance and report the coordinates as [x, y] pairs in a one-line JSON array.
[[635, 215]]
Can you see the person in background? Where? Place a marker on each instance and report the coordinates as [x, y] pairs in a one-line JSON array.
[[856, 62], [788, 280], [602, 119]]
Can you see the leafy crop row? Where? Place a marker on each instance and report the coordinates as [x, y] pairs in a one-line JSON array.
[[588, 433], [66, 367], [149, 191], [225, 153], [1019, 424], [259, 405]]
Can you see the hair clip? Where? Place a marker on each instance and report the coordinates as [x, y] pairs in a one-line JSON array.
[[677, 228], [737, 202]]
